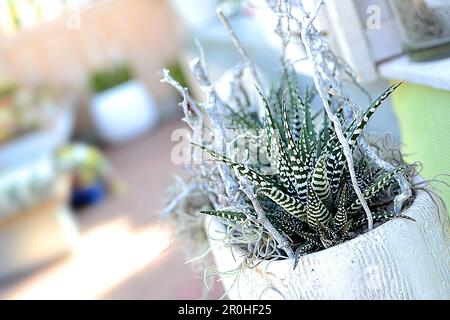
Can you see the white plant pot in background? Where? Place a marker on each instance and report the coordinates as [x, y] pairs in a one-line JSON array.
[[123, 112], [400, 259], [40, 143]]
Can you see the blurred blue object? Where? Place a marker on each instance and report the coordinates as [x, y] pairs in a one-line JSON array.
[[88, 195]]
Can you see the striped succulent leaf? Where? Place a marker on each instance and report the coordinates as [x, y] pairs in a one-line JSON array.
[[307, 134], [278, 149], [382, 216], [288, 203], [356, 132], [360, 172], [372, 191], [337, 158], [285, 222], [319, 182], [310, 237], [298, 169], [307, 247], [226, 214], [328, 237], [341, 215], [266, 185], [316, 212]]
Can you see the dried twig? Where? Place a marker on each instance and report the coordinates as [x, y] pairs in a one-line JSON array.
[[247, 61], [282, 242], [245, 187]]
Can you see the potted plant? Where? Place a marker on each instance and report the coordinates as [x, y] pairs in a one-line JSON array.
[[34, 121], [303, 205], [92, 174], [121, 106]]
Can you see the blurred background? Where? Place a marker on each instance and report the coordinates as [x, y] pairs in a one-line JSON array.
[[86, 125]]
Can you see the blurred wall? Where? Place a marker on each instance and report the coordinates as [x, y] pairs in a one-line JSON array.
[[62, 51]]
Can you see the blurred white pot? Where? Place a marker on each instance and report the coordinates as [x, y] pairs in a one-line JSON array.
[[123, 112], [400, 259], [40, 143]]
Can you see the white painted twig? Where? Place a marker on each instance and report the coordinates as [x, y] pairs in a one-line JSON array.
[[245, 57], [187, 102], [245, 187], [281, 241], [401, 180]]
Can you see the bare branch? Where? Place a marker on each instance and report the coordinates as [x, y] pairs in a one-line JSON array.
[[246, 59], [187, 102]]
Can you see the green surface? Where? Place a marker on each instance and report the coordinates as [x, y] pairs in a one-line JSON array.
[[424, 118]]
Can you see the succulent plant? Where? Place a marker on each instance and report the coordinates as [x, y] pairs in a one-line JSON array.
[[310, 198]]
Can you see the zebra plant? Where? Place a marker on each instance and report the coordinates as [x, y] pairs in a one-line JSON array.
[[310, 198]]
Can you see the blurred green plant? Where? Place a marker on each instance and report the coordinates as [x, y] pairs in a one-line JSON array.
[[177, 72], [109, 77], [7, 89], [24, 109], [86, 162]]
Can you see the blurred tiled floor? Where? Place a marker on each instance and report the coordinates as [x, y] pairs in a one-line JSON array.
[[124, 251]]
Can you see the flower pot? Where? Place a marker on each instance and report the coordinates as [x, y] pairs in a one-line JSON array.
[[38, 144], [400, 259], [123, 112]]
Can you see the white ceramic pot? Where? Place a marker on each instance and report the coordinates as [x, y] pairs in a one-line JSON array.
[[38, 144], [123, 112], [400, 259]]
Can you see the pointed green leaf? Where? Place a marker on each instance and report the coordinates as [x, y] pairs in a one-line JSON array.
[[226, 214], [316, 211], [319, 182], [380, 184]]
